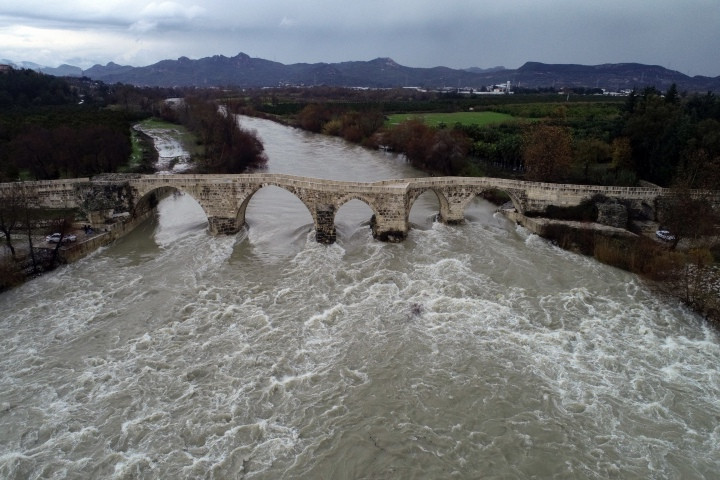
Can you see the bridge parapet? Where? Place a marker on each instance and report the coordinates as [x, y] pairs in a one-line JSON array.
[[224, 198], [45, 193]]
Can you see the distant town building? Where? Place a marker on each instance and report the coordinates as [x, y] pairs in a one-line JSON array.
[[498, 89], [620, 93]]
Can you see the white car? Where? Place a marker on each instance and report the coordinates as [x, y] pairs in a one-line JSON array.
[[55, 238], [665, 235]]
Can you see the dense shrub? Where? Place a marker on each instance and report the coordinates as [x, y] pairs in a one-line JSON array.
[[226, 147]]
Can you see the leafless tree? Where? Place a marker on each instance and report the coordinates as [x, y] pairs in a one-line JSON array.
[[12, 202], [63, 226]]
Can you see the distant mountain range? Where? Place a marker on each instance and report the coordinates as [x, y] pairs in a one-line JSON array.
[[245, 71], [61, 71]]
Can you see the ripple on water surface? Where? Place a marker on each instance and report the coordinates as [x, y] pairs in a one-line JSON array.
[[468, 351]]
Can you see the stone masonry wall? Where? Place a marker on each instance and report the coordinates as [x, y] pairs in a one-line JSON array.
[[224, 197]]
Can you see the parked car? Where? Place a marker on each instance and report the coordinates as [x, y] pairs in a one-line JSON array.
[[665, 235], [55, 238]]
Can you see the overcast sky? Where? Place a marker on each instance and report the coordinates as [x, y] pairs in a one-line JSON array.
[[681, 35]]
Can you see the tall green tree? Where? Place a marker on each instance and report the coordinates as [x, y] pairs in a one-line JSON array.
[[547, 153], [672, 96], [657, 132]]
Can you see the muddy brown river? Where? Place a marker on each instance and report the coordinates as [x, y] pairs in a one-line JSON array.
[[472, 351]]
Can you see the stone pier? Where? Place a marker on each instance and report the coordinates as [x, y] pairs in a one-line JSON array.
[[223, 226], [224, 198], [325, 224]]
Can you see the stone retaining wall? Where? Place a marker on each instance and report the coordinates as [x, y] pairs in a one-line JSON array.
[[76, 251]]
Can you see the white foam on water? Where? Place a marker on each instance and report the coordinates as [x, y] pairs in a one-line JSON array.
[[465, 349], [172, 155]]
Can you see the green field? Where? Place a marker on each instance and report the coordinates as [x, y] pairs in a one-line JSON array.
[[450, 119]]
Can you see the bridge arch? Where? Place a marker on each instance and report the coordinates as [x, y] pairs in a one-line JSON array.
[[517, 204], [478, 191], [243, 203], [414, 194], [355, 196], [152, 196], [242, 206], [348, 199]]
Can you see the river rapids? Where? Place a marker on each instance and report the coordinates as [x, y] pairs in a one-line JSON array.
[[471, 351]]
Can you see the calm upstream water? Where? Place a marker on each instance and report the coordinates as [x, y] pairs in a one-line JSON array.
[[473, 351]]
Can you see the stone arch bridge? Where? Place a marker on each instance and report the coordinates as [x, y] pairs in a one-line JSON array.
[[224, 198]]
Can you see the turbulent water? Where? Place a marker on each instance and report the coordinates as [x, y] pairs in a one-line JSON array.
[[473, 351], [172, 156]]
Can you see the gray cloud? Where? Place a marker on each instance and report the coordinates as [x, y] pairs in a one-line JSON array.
[[679, 34]]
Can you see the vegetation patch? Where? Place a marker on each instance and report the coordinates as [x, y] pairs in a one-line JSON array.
[[159, 123], [450, 119], [551, 108], [143, 156], [221, 145]]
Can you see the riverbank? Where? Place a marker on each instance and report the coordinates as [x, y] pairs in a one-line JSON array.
[[46, 257], [689, 275], [113, 231], [160, 147]]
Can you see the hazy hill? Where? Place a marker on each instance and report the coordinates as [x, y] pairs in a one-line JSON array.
[[245, 71], [63, 70], [611, 76]]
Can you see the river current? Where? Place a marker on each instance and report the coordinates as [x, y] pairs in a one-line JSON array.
[[471, 351]]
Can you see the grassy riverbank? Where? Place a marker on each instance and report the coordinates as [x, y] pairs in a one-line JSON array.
[[144, 156], [464, 118]]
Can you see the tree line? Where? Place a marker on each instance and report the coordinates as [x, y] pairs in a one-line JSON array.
[[54, 128], [61, 127], [665, 138], [67, 150], [669, 139], [226, 147]]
